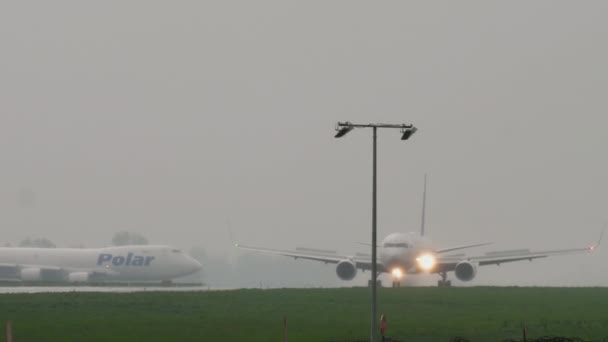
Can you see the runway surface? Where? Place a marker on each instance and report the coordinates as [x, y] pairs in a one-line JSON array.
[[105, 289]]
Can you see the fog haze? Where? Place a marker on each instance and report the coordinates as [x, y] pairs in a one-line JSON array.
[[177, 119]]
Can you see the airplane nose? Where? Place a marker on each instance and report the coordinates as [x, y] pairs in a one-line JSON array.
[[194, 265]]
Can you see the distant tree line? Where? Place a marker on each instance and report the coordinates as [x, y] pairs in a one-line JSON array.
[[123, 238], [128, 238], [37, 242]]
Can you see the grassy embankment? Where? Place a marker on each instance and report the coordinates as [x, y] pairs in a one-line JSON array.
[[414, 314]]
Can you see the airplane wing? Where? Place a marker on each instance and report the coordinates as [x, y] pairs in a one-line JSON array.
[[455, 248], [362, 261], [448, 263], [12, 271], [19, 266]]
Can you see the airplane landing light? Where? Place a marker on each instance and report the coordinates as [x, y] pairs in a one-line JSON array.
[[426, 261], [397, 273]]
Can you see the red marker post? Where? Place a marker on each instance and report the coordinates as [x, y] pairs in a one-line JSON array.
[[285, 329], [383, 326]]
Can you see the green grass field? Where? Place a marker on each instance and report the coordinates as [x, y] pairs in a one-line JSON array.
[[414, 314]]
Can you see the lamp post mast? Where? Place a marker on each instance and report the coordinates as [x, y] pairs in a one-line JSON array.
[[374, 249], [343, 128]]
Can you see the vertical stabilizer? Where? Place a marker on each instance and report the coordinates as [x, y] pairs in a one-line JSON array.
[[423, 208]]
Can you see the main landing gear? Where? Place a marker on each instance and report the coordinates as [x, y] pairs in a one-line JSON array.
[[378, 283], [396, 283], [444, 282]]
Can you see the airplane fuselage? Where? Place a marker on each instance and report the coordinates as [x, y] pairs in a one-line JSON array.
[[123, 263], [401, 250]]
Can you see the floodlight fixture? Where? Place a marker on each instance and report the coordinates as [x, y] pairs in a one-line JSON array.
[[342, 128], [408, 132]]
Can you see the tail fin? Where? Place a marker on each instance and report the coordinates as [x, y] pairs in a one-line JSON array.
[[423, 208], [229, 229]]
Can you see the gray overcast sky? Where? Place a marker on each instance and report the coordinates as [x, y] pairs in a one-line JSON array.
[[169, 118]]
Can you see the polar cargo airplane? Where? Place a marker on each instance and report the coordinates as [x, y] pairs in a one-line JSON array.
[[413, 253], [122, 263]]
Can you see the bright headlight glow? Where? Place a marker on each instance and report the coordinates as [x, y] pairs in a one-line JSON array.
[[426, 261], [397, 273]]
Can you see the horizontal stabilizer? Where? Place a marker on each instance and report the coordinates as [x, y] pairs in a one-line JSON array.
[[314, 250], [439, 251], [368, 244], [459, 255], [508, 252]]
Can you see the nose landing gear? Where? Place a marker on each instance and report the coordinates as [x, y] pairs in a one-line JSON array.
[[397, 274], [444, 282]]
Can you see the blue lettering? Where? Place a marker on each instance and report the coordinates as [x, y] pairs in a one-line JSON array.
[[119, 260], [138, 261], [129, 260], [129, 257], [103, 258]]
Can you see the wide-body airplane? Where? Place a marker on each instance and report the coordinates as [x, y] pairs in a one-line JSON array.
[[121, 263], [413, 253]]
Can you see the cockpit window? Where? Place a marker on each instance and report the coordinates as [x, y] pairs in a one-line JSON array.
[[400, 244], [176, 251]]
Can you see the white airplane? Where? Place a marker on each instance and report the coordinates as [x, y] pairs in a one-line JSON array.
[[123, 263], [413, 253]]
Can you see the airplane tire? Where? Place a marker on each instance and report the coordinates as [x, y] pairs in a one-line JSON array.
[[440, 283], [448, 283], [378, 283]]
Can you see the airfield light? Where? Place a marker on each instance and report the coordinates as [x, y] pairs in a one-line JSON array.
[[408, 132], [397, 273], [426, 261], [343, 128]]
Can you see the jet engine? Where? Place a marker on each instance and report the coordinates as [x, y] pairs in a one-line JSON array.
[[465, 271], [78, 277], [31, 274], [346, 270]]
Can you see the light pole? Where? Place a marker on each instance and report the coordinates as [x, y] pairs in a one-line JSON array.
[[407, 131]]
